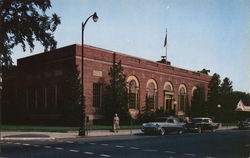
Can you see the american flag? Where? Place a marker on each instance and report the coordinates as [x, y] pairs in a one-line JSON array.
[[166, 38]]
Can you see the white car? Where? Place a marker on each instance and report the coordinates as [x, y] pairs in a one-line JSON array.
[[162, 125]]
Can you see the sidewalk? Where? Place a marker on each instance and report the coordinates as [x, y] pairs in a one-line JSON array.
[[15, 135]]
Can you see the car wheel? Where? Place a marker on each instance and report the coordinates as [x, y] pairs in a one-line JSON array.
[[162, 131], [199, 130]]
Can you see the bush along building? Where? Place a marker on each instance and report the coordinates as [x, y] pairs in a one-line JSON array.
[[44, 88]]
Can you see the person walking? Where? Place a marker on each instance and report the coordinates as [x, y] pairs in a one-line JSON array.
[[116, 124]]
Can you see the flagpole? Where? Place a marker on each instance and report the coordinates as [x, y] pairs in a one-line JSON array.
[[166, 44]]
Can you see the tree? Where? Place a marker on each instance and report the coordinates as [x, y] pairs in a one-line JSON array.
[[226, 86], [198, 103], [70, 99], [213, 94], [23, 22], [116, 99], [226, 100], [205, 71]]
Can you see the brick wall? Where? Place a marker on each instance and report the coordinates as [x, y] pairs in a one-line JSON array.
[[47, 68]]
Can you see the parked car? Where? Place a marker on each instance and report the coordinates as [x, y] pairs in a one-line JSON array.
[[244, 124], [162, 125], [201, 124]]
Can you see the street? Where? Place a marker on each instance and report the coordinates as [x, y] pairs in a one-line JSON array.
[[226, 143]]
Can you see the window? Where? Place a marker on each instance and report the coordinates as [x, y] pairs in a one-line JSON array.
[[132, 95], [170, 121], [40, 97], [133, 92], [97, 94], [51, 96], [31, 97], [182, 98], [151, 95]]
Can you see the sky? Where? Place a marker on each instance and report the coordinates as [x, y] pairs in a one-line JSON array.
[[210, 34]]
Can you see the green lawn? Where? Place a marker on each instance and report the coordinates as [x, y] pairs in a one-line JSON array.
[[59, 129]]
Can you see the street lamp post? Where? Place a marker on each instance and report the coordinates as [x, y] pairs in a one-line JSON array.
[[82, 126], [219, 106]]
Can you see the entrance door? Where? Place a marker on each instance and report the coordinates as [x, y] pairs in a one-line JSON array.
[[168, 102]]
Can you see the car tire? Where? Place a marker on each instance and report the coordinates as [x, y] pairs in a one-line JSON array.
[[199, 130], [162, 132]]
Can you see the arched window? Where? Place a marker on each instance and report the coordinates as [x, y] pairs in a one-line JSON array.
[[168, 88], [182, 97], [193, 90], [133, 92], [151, 98]]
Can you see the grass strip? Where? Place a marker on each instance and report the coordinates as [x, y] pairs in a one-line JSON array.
[[59, 129]]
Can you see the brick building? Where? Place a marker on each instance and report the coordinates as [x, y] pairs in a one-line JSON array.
[[41, 76]]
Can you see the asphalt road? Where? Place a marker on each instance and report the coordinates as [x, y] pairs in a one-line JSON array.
[[230, 143]]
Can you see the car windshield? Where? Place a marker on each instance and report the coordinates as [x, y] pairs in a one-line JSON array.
[[161, 120], [196, 120]]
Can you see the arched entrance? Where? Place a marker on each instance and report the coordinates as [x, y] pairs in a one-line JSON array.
[[182, 99], [168, 93]]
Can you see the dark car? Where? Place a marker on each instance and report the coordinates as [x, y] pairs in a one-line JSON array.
[[245, 124], [201, 124]]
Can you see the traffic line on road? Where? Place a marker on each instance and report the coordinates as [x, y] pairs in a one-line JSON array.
[[119, 146], [58, 148], [188, 154], [104, 144], [8, 142], [134, 148], [104, 155], [210, 157], [26, 144], [47, 147], [17, 143], [89, 153], [170, 152], [92, 143], [75, 151]]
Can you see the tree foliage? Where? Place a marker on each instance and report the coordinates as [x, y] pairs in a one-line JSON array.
[[198, 103], [213, 94], [222, 94], [116, 95], [226, 86], [70, 99], [23, 22], [205, 71]]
